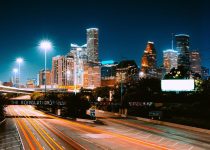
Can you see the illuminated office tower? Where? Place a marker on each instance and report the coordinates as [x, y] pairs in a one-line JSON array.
[[170, 57], [92, 44], [108, 73], [148, 61], [195, 62], [92, 75], [61, 70], [42, 78], [79, 55], [126, 71], [182, 46]]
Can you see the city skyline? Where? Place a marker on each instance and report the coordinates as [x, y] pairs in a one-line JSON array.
[[124, 37]]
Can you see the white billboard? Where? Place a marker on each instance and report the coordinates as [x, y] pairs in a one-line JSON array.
[[177, 85]]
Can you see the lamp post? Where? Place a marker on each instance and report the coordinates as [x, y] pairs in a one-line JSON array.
[[75, 76], [19, 61], [45, 45], [15, 70]]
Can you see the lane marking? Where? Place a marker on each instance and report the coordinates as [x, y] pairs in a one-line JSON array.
[[24, 133], [37, 127], [175, 143], [161, 139], [191, 147], [30, 132]]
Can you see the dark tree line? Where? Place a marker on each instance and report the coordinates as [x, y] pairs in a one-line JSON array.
[[2, 106], [76, 105]]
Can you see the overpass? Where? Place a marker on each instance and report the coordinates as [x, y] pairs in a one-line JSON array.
[[7, 89], [26, 100]]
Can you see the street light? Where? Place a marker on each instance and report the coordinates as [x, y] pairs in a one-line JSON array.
[[15, 70], [45, 45], [19, 61]]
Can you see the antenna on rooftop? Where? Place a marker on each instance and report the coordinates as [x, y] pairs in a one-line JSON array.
[[172, 40]]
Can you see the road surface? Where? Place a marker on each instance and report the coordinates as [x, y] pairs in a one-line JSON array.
[[42, 131]]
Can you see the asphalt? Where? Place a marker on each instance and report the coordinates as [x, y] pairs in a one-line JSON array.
[[43, 131]]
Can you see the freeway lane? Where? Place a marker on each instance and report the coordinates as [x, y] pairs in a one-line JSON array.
[[33, 133], [42, 131], [175, 138]]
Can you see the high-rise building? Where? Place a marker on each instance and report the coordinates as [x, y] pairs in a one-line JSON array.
[[61, 69], [79, 55], [31, 83], [42, 78], [108, 73], [182, 46], [204, 73], [80, 67], [148, 61], [126, 71], [195, 62], [92, 75], [170, 57], [92, 44]]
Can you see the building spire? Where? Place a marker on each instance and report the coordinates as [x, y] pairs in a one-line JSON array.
[[172, 40]]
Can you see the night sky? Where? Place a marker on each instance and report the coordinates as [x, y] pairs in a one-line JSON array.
[[124, 29]]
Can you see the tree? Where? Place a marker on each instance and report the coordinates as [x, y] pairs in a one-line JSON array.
[[2, 105], [180, 73], [102, 92], [76, 105], [37, 96]]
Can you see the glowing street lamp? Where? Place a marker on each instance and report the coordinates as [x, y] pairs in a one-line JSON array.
[[19, 61], [15, 70], [45, 45], [141, 74]]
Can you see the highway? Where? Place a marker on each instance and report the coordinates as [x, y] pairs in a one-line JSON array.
[[42, 131]]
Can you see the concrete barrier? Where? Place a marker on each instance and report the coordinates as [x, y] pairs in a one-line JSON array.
[[185, 127], [172, 124]]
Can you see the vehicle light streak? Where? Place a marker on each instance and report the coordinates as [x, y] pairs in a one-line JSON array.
[[38, 128], [23, 131], [127, 138], [67, 139], [135, 125]]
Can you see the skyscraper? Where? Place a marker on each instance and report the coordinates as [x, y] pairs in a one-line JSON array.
[[79, 54], [204, 73], [42, 78], [92, 44], [126, 71], [92, 75], [170, 57], [195, 62], [182, 46], [61, 69], [108, 73], [80, 67], [92, 69], [148, 61]]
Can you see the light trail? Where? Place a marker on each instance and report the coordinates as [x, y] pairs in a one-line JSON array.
[[38, 128], [62, 136], [23, 131], [136, 125], [126, 138], [31, 134]]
